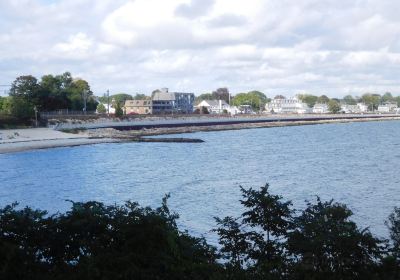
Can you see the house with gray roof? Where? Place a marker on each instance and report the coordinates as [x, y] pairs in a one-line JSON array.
[[165, 102]]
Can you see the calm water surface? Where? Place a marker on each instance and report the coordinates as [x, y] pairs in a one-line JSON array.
[[355, 163]]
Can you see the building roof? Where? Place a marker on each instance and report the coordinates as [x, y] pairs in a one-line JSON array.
[[163, 96], [214, 103], [138, 102]]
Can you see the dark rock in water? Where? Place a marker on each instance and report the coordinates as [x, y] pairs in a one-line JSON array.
[[167, 140]]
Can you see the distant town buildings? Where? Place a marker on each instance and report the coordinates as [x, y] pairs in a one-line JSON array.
[[388, 107], [162, 102], [141, 107], [320, 108], [354, 109], [165, 102], [281, 104], [214, 106], [222, 107]]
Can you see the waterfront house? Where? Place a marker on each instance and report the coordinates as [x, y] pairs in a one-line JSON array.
[[214, 106], [350, 109], [141, 107], [362, 107], [354, 109], [234, 110], [388, 107], [320, 108], [165, 102], [292, 105], [246, 109]]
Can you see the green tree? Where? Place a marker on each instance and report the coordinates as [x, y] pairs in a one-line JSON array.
[[234, 244], [122, 97], [96, 241], [372, 100], [52, 94], [394, 227], [334, 106], [221, 94], [2, 102], [309, 99], [349, 100], [6, 104], [101, 109], [323, 99], [21, 108], [397, 99], [204, 96], [387, 97], [255, 99], [139, 96], [327, 245], [269, 217], [77, 91], [118, 110], [25, 87], [390, 267]]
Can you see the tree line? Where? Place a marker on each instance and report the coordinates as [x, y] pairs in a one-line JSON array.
[[269, 240], [55, 92], [27, 94], [257, 99], [372, 100]]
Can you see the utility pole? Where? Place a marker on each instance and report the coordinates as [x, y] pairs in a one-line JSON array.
[[85, 94], [36, 116], [108, 102]]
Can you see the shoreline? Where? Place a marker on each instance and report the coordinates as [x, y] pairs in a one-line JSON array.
[[20, 140]]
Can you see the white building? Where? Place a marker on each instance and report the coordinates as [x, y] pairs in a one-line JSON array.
[[233, 110], [280, 104], [355, 109], [320, 108], [387, 108], [214, 106], [110, 109], [363, 107]]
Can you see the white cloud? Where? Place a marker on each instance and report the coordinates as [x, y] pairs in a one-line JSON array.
[[330, 47], [77, 46]]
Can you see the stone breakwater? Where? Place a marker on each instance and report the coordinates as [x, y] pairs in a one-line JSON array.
[[129, 132], [44, 138], [193, 120]]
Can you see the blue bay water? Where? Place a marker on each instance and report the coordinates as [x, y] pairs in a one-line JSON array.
[[354, 163]]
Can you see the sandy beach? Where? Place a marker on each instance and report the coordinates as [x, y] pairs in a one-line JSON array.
[[18, 140]]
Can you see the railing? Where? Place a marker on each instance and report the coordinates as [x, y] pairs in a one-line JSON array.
[[66, 112]]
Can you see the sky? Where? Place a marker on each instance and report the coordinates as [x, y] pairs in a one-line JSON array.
[[332, 47]]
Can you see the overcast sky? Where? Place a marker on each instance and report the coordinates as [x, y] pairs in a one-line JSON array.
[[332, 47]]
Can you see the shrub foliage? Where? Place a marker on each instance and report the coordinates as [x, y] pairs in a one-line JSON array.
[[270, 240]]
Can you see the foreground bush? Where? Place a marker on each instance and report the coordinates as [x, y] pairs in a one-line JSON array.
[[94, 241], [270, 240]]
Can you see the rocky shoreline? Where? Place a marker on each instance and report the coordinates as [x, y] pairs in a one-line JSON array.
[[132, 134], [12, 141]]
